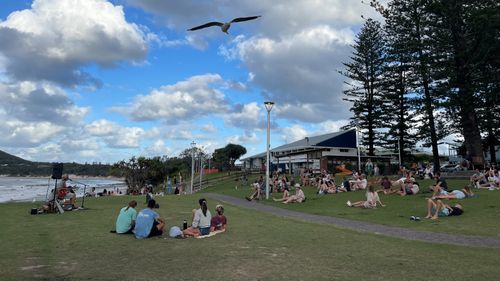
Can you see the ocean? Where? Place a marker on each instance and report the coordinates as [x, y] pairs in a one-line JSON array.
[[23, 189]]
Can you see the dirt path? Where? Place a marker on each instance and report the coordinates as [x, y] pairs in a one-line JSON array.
[[392, 231]]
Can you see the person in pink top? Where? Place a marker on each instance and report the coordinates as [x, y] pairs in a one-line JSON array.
[[219, 221]]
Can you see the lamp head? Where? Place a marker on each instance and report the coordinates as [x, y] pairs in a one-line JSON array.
[[269, 105]]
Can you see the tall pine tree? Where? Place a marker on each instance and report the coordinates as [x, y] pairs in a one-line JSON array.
[[468, 33], [411, 26], [365, 71]]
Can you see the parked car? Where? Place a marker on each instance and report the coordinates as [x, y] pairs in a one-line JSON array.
[[448, 168]]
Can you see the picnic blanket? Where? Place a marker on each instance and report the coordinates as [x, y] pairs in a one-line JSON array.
[[213, 233]]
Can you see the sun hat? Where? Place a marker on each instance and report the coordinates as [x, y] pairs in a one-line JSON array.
[[297, 185]]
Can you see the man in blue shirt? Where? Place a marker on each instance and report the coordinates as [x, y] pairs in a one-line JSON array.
[[148, 222]]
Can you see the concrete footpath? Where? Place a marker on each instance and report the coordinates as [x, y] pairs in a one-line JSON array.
[[391, 231]]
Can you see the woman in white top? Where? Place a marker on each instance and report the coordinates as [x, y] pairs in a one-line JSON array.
[[371, 200], [201, 221]]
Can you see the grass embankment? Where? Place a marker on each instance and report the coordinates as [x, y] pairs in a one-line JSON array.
[[481, 216], [257, 246]]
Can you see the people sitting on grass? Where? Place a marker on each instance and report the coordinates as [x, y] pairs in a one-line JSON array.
[[372, 199], [126, 219], [490, 180], [436, 208], [201, 220], [386, 185], [359, 183], [406, 179], [219, 221], [299, 196], [286, 195], [148, 223], [466, 192], [428, 172]]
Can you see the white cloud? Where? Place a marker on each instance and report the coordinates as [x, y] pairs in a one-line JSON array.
[[293, 133], [17, 133], [55, 38], [331, 126], [187, 99], [158, 148], [293, 52], [115, 135], [209, 128], [34, 113], [246, 116], [299, 71], [279, 17], [36, 102], [245, 139]]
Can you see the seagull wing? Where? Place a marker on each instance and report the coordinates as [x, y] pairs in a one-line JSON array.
[[213, 23], [245, 19]]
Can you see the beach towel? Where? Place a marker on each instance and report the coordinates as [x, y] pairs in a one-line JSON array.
[[213, 233]]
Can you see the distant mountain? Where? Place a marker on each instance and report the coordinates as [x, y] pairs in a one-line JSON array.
[[11, 165]]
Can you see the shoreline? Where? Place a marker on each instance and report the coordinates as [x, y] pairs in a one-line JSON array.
[[69, 175]]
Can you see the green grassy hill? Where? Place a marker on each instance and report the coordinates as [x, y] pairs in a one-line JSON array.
[[6, 158]]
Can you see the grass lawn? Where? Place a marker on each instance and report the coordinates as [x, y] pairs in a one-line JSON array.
[[481, 216], [257, 246]]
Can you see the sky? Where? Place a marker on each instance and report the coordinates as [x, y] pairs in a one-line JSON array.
[[102, 81]]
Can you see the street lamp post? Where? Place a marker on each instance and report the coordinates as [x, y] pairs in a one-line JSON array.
[[192, 164], [357, 148], [399, 152], [201, 165], [269, 106]]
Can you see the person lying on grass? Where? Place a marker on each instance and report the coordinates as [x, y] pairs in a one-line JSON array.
[[466, 192], [298, 197], [148, 223], [436, 209], [219, 221], [286, 195], [371, 200], [409, 188], [201, 220], [126, 219]]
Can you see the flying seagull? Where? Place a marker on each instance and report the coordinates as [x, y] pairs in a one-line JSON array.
[[224, 26]]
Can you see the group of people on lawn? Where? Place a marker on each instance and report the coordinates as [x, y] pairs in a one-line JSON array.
[[405, 186], [278, 184], [148, 223], [408, 186]]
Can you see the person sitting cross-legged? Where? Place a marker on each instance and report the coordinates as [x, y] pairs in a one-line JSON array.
[[126, 219], [219, 221], [148, 223], [286, 195], [201, 221], [436, 209]]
